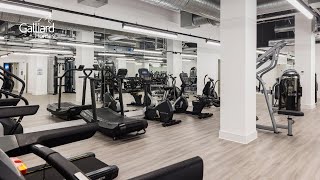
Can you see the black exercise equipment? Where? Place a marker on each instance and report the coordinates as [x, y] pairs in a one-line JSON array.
[[209, 91], [134, 87], [287, 91], [181, 104], [191, 169], [109, 100], [58, 167], [111, 123], [9, 124], [163, 111], [67, 110]]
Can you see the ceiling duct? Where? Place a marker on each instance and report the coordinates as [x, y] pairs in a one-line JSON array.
[[290, 42], [281, 29], [211, 8], [93, 3], [199, 20], [272, 6], [205, 8]]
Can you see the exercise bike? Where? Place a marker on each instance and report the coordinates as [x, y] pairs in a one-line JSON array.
[[181, 103], [163, 111]]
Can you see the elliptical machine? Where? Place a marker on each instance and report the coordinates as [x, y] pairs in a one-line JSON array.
[[181, 104], [163, 111]]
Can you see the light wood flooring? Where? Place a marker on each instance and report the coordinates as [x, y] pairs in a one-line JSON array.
[[270, 156]]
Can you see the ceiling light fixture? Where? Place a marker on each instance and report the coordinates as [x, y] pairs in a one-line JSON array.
[[186, 60], [147, 51], [24, 9], [4, 56], [29, 54], [298, 5], [155, 61], [80, 45], [52, 51], [150, 31], [111, 54], [189, 55], [1, 38], [152, 57], [126, 59], [213, 42]]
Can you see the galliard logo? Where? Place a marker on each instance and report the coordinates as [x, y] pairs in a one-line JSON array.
[[38, 29]]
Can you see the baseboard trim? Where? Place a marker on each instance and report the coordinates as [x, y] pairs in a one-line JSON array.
[[238, 138]]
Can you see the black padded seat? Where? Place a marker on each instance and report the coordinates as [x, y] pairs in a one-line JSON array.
[[291, 113]]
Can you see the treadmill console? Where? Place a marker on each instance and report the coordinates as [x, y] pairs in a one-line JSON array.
[[144, 73], [122, 73]]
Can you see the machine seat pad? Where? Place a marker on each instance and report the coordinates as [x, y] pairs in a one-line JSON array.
[[291, 113]]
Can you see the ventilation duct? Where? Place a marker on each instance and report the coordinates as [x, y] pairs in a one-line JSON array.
[[93, 3], [205, 8], [199, 20], [290, 42], [211, 8], [281, 29]]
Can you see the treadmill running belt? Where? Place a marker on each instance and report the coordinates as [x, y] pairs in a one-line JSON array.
[[87, 165], [113, 124]]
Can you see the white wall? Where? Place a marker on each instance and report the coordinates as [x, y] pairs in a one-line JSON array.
[[22, 71], [207, 63], [36, 82], [187, 65]]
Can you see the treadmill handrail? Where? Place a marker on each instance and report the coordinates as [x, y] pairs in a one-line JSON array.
[[17, 78], [60, 84], [19, 144], [66, 168]]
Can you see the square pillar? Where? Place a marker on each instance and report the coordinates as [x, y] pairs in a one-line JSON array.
[[84, 56], [174, 59], [305, 59], [238, 70]]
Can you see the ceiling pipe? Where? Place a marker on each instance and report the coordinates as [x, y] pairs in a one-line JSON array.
[[211, 8]]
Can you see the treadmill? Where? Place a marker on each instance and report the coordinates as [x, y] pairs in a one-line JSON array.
[[111, 123], [67, 110], [39, 143]]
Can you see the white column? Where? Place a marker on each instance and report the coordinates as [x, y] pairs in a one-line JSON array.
[[40, 77], [238, 72], [207, 64], [174, 59], [305, 59], [317, 59], [84, 56]]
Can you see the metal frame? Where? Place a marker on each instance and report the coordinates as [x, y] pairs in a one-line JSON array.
[[271, 56]]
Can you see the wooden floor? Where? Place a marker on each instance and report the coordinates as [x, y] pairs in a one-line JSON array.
[[271, 156]]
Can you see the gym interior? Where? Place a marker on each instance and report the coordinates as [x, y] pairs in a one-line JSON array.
[[159, 89]]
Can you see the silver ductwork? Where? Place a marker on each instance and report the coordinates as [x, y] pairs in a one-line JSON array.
[[283, 29], [272, 6], [199, 20], [290, 42], [211, 8], [205, 8]]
